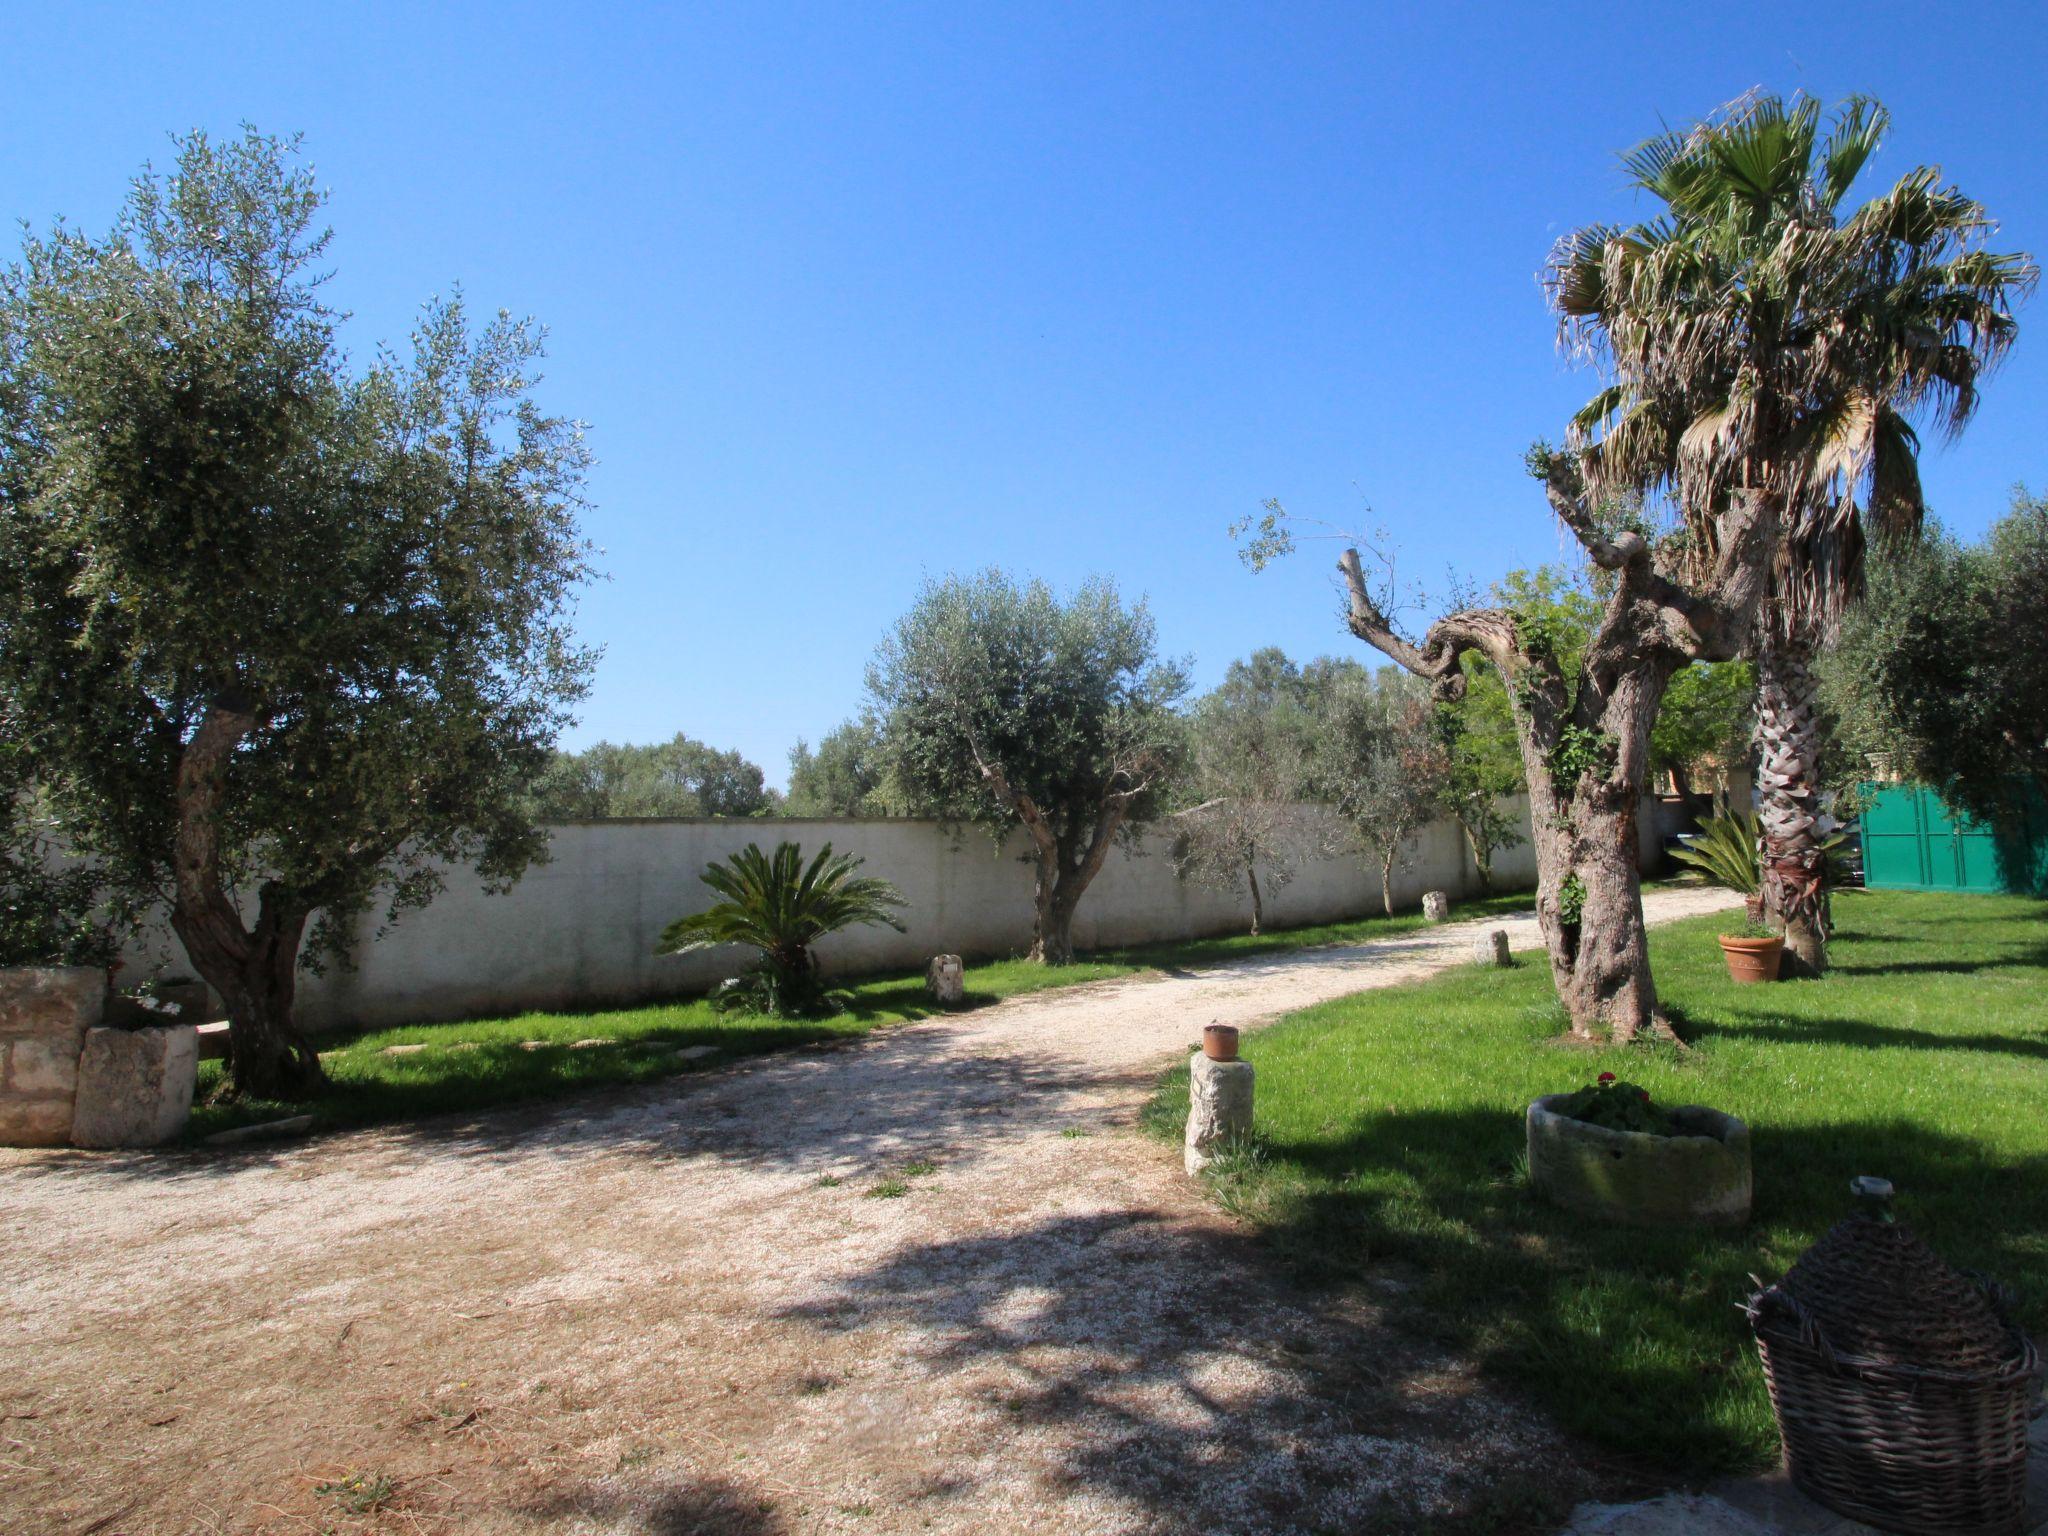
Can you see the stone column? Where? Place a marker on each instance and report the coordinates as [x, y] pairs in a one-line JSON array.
[[1493, 949], [1436, 906], [946, 980], [44, 1014], [1219, 1108]]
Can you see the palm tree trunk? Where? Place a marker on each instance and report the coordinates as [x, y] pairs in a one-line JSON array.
[[1788, 741]]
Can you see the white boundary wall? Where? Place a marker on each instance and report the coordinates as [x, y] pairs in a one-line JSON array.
[[579, 931]]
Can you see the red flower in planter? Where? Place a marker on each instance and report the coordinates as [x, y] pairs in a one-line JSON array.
[[1643, 1094], [1606, 1077]]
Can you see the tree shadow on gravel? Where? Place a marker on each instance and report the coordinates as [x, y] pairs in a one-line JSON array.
[[1166, 1370], [711, 1507], [880, 1097]]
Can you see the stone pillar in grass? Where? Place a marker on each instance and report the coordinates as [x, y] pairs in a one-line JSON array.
[[1493, 949], [1219, 1098], [946, 980], [44, 1014], [1436, 905]]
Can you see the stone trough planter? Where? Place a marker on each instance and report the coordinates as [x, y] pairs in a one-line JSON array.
[[1700, 1178]]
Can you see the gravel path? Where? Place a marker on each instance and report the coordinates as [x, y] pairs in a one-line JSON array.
[[679, 1309]]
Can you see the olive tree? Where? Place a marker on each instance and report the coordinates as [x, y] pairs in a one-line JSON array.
[[1251, 770], [1005, 706], [1944, 668], [678, 777], [286, 633], [844, 775], [1583, 724], [1383, 762]]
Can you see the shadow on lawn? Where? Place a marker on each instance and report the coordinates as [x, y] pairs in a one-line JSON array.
[[1141, 1360], [1866, 1036], [1598, 1321]]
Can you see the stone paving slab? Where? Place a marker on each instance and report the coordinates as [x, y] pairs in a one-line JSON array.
[[1772, 1506]]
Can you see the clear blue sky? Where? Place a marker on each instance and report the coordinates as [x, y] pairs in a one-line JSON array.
[[854, 293]]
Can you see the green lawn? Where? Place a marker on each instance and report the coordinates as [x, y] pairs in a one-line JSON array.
[[1390, 1140], [481, 1063]]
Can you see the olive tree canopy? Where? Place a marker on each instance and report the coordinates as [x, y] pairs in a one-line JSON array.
[[1006, 706], [1253, 744], [286, 633], [678, 777]]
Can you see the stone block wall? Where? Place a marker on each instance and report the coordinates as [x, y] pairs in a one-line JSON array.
[[44, 1014]]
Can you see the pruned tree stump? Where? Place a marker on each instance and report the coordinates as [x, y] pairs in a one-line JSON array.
[[1219, 1109], [1436, 906], [1493, 949], [946, 980]]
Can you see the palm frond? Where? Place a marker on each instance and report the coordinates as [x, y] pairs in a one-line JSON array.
[[1859, 128], [1757, 335]]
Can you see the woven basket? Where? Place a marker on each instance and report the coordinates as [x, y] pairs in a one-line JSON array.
[[1901, 1386]]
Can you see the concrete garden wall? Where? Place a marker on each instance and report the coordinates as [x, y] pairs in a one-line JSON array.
[[579, 932]]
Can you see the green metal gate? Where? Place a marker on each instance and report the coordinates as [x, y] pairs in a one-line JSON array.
[[1912, 841]]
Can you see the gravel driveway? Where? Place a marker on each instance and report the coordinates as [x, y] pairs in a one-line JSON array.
[[679, 1309]]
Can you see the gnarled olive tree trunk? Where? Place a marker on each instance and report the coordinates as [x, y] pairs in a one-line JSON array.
[[1788, 741], [253, 970], [1064, 863], [1584, 735], [1586, 762]]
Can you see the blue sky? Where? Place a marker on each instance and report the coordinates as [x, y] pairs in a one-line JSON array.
[[852, 294]]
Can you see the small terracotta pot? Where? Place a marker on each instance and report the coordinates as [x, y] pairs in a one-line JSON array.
[[1753, 960], [1219, 1042]]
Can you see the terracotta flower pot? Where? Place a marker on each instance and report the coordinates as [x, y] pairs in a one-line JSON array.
[[1752, 960], [1219, 1042]]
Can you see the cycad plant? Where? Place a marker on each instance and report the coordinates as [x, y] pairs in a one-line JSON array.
[[777, 904], [1725, 851], [1764, 341]]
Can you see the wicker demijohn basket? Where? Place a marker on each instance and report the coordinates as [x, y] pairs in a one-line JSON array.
[[1901, 1387]]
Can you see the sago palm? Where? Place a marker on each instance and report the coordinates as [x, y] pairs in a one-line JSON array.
[[1763, 341], [778, 905]]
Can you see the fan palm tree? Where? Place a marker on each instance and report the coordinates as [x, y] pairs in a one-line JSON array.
[[1764, 341], [780, 906]]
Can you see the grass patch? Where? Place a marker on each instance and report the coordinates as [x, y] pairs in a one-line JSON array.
[[394, 1075], [1390, 1138], [888, 1189], [360, 1493]]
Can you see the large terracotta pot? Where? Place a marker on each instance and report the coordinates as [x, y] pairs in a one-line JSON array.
[[1752, 960]]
